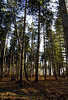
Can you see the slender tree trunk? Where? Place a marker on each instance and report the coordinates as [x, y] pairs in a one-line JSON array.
[[18, 64], [63, 10], [44, 53], [17, 70], [33, 59], [2, 57], [58, 68], [61, 57], [26, 75], [53, 62], [4, 64], [23, 47], [37, 59], [2, 54], [63, 73], [49, 58], [49, 68], [54, 70], [27, 63], [20, 51], [31, 55], [58, 71], [12, 69], [10, 66]]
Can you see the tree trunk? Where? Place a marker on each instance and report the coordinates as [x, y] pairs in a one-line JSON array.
[[20, 52], [37, 59], [10, 66], [31, 56], [18, 64], [23, 47], [54, 70], [44, 53], [61, 57], [53, 62], [4, 64], [2, 54], [27, 63], [26, 75], [49, 68], [12, 69], [59, 72], [63, 10], [49, 58]]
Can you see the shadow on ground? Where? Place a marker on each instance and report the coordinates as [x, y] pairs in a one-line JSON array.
[[49, 89]]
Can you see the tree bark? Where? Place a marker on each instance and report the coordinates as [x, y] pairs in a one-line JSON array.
[[23, 47], [10, 66], [44, 53], [49, 68], [31, 56], [2, 54], [26, 75], [49, 58], [37, 60], [63, 10], [53, 62]]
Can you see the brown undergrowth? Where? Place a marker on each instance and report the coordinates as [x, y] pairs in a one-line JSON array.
[[49, 89]]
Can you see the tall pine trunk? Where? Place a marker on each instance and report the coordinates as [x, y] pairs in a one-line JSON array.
[[2, 54], [44, 53], [49, 68], [49, 58], [63, 10], [61, 57], [23, 48], [10, 66], [37, 58], [31, 55], [53, 61]]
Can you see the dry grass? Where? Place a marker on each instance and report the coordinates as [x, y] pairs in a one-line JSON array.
[[49, 89]]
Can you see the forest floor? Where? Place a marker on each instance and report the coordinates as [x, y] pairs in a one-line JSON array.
[[49, 89]]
